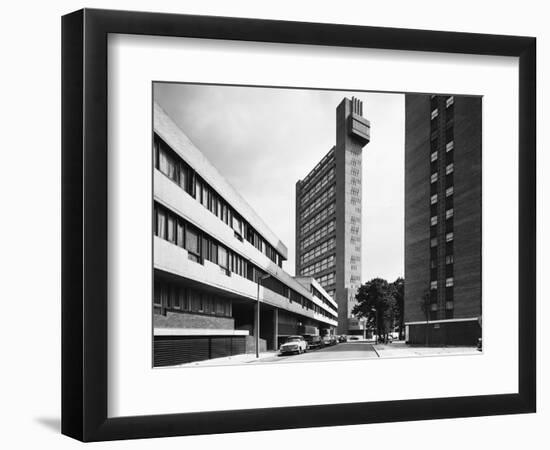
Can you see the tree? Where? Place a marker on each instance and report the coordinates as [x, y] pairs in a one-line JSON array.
[[376, 302]]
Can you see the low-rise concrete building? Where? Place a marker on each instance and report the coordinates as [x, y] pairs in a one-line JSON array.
[[213, 258]]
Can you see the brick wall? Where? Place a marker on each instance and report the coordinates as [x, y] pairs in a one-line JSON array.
[[187, 320]]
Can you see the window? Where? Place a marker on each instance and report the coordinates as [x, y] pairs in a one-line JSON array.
[[435, 113], [198, 189], [433, 157], [449, 282], [449, 213], [450, 100], [222, 257], [205, 195], [433, 199], [449, 237], [449, 259], [214, 253], [449, 191], [166, 164], [179, 234], [433, 284], [433, 242], [192, 244], [237, 225], [433, 220], [450, 145], [433, 178], [161, 224], [171, 230], [449, 169]]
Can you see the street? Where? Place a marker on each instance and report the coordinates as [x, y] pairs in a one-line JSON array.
[[342, 351]]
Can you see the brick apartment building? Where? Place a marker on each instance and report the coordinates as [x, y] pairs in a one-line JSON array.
[[442, 219]]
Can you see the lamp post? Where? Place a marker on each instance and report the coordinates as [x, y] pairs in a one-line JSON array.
[[260, 279]]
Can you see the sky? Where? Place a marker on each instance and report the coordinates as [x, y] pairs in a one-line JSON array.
[[263, 140]]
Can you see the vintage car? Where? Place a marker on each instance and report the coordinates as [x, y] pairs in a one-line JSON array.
[[313, 341], [293, 344], [329, 339]]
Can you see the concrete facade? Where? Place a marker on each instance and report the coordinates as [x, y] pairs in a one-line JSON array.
[[328, 214], [442, 219], [213, 258]]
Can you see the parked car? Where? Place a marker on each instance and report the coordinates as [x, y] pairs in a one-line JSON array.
[[329, 339], [342, 338], [480, 344], [313, 341], [294, 344]]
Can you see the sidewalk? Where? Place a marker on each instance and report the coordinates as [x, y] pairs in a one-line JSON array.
[[402, 350], [230, 360]]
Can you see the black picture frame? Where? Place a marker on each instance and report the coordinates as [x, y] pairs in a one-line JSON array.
[[84, 224]]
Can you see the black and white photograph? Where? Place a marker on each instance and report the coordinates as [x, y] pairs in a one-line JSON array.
[[309, 225], [275, 225]]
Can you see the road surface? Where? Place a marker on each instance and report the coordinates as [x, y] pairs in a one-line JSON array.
[[342, 351]]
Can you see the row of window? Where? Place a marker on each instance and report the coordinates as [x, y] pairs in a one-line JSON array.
[[448, 147], [170, 297], [318, 218], [436, 205], [448, 238], [449, 282], [321, 200], [327, 280], [321, 297], [171, 165], [448, 214], [448, 102], [327, 159], [448, 193], [318, 250], [201, 246], [449, 116], [448, 170], [325, 230], [319, 266], [320, 184]]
